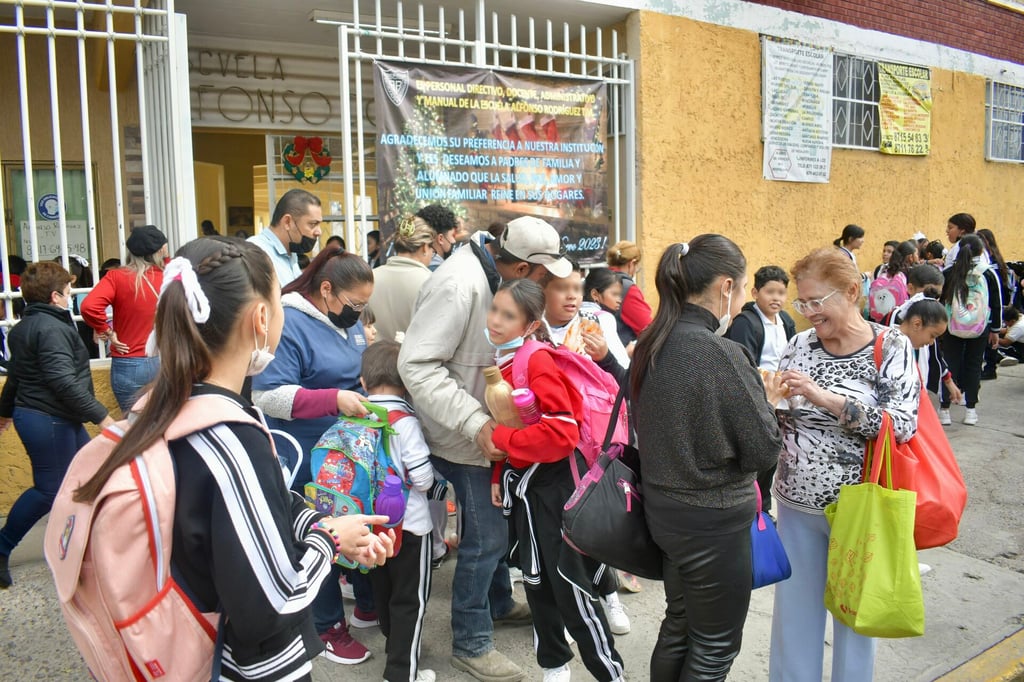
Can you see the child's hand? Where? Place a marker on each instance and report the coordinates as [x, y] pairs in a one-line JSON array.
[[955, 394], [595, 345], [496, 495]]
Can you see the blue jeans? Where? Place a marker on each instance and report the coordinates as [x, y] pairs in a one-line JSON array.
[[327, 605], [128, 376], [798, 621], [481, 590], [51, 443]]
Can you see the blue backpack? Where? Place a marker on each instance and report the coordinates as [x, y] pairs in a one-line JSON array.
[[350, 462]]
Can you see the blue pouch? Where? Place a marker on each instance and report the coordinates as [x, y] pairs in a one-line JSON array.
[[767, 555]]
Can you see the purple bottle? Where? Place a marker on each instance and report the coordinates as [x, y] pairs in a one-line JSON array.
[[526, 404], [391, 503]]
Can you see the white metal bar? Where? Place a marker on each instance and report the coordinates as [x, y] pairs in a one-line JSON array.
[[551, 45], [26, 138], [75, 33], [495, 36], [378, 24], [89, 6], [583, 50], [514, 35], [5, 273], [184, 176], [399, 10], [480, 48], [58, 151], [364, 245], [630, 154], [144, 114], [441, 35], [115, 135], [533, 46], [346, 137], [462, 37], [90, 189], [422, 30], [271, 174], [613, 112]]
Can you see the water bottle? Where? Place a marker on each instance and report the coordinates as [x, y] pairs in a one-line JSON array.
[[498, 396], [526, 405], [391, 503]]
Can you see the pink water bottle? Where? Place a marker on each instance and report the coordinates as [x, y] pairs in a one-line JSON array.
[[526, 404], [391, 503]]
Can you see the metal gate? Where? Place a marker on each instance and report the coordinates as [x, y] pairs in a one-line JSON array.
[[478, 38], [120, 68]]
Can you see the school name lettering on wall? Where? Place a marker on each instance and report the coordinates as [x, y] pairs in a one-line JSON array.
[[278, 86]]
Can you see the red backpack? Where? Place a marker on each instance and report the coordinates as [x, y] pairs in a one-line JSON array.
[[111, 558], [597, 388]]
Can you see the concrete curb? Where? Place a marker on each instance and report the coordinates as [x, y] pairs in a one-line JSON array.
[[1002, 662]]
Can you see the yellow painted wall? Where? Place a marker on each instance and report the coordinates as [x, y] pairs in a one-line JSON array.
[[11, 149], [15, 468], [700, 153]]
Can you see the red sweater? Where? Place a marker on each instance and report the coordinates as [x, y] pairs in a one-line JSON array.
[[557, 433], [634, 311], [134, 310]]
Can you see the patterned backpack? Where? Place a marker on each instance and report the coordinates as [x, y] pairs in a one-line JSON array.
[[885, 295], [968, 319]]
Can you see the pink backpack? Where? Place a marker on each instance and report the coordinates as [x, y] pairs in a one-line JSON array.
[[111, 559], [596, 386], [886, 294]]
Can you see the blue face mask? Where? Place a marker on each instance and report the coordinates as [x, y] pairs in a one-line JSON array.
[[508, 345]]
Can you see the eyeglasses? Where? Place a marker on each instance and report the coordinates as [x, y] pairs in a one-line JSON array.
[[813, 306], [358, 307]]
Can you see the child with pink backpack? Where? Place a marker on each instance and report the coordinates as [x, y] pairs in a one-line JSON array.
[[176, 547], [536, 481]]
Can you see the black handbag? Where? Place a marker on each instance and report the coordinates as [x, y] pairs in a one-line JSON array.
[[604, 517]]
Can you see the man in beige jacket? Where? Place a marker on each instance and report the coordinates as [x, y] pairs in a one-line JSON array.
[[442, 361]]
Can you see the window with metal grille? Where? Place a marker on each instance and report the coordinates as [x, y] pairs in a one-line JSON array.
[[855, 91], [1004, 122]]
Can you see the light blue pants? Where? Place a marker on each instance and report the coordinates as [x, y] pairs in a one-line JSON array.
[[798, 621]]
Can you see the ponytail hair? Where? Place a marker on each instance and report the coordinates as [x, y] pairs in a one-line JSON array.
[[232, 273], [989, 238], [529, 298], [898, 261], [850, 232], [929, 311], [412, 234], [955, 287], [684, 273]]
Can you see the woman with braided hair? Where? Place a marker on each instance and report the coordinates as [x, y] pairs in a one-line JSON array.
[[397, 283], [242, 542]]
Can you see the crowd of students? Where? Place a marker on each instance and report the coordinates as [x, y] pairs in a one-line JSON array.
[[723, 391]]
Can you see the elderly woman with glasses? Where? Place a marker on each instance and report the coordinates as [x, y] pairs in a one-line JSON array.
[[313, 378], [837, 397]]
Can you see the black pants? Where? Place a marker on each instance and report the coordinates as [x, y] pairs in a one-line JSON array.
[[707, 589], [964, 358], [401, 588], [557, 604]]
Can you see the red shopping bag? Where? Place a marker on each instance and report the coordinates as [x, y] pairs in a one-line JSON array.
[[927, 465]]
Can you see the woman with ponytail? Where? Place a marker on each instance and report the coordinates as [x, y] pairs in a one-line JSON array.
[[705, 430], [965, 356], [242, 542], [850, 240]]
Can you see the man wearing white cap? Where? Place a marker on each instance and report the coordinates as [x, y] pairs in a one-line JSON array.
[[442, 361]]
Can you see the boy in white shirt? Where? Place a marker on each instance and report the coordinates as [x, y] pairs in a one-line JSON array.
[[1011, 341], [402, 586], [764, 329]]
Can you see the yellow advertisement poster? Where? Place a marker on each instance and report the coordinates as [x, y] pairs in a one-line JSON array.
[[905, 106]]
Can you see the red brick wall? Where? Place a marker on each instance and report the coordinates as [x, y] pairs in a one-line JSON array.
[[971, 25]]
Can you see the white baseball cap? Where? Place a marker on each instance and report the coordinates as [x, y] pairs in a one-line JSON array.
[[534, 240], [918, 236]]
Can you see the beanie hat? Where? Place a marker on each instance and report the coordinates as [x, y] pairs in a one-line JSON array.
[[145, 240]]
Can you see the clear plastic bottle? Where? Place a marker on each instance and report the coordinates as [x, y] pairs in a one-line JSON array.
[[498, 396], [391, 503], [526, 405]]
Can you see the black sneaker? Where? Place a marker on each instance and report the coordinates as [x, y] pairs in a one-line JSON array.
[[436, 562], [988, 376]]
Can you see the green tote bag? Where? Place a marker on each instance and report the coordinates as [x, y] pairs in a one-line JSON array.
[[873, 584]]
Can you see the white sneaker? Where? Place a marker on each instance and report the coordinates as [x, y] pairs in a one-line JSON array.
[[515, 575], [424, 676], [944, 418], [923, 568], [618, 621], [1008, 361], [971, 418], [560, 674]]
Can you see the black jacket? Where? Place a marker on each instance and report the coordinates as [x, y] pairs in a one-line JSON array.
[[49, 368], [748, 330]]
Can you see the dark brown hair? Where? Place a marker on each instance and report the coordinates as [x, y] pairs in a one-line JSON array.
[[232, 273], [529, 296], [344, 270], [380, 365], [41, 279]]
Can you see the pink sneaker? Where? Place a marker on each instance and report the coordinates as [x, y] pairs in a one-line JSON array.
[[339, 647]]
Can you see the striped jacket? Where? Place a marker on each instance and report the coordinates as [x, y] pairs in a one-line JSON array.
[[242, 541]]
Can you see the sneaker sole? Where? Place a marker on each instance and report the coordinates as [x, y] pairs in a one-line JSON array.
[[363, 624], [620, 630], [460, 664], [344, 661]]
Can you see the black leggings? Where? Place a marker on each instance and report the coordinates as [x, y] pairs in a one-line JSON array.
[[964, 358], [707, 590]]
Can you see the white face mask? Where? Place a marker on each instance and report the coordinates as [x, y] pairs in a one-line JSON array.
[[261, 357], [723, 321]]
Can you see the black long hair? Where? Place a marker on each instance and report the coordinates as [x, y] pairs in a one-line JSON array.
[[898, 259], [971, 247], [684, 272], [989, 238], [850, 232]]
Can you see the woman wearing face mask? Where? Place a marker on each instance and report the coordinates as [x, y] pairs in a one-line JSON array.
[[705, 427], [313, 378], [47, 396]]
